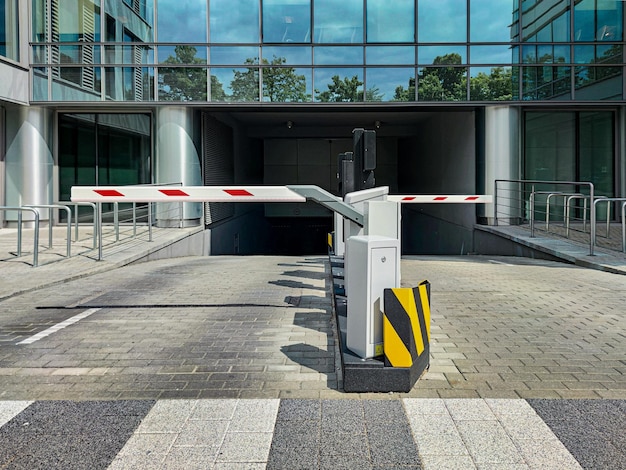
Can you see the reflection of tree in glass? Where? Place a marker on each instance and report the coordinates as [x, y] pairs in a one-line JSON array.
[[442, 83], [449, 83], [185, 83], [245, 85], [347, 90], [283, 84], [403, 94], [497, 86], [280, 84]]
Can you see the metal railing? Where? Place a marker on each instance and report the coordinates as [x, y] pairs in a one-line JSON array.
[[19, 230], [517, 209], [609, 200], [69, 223], [76, 205], [624, 227]]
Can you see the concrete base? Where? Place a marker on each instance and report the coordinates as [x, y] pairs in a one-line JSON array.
[[369, 375], [192, 243]]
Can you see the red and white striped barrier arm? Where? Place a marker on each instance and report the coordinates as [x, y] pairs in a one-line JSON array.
[[184, 194], [449, 199]]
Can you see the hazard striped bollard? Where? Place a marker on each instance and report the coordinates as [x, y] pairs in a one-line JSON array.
[[406, 327]]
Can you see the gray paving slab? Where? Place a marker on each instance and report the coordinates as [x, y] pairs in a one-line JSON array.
[[220, 342], [320, 434]]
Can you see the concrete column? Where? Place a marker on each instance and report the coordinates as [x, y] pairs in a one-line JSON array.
[[502, 158], [29, 160], [177, 160]]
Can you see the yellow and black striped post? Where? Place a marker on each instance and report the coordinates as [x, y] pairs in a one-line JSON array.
[[406, 326]]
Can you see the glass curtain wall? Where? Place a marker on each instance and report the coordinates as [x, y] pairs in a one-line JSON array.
[[103, 149], [9, 29], [570, 146], [326, 51]]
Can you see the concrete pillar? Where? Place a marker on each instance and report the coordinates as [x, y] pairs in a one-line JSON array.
[[28, 160], [177, 160], [502, 159]]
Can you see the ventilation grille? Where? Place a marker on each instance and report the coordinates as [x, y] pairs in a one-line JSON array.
[[54, 37], [89, 27], [137, 76], [217, 141]]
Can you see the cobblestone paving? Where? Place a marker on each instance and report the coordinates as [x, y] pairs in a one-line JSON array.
[[184, 328], [514, 327]]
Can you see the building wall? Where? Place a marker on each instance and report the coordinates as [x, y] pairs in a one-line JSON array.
[[439, 160]]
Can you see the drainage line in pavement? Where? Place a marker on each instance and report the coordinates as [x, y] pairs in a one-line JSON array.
[[80, 307]]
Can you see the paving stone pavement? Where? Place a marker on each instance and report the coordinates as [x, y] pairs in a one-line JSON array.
[[231, 362]]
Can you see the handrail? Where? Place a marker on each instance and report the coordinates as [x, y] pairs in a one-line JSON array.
[[592, 215], [608, 200], [567, 212], [624, 227], [565, 196], [19, 230], [76, 204], [69, 223]]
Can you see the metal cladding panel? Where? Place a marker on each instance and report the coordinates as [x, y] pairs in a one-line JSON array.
[[218, 157]]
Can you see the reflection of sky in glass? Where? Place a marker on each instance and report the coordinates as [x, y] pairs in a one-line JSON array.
[[584, 54], [324, 77], [426, 54], [387, 80], [182, 21], [442, 21], [391, 21], [489, 20], [490, 55], [293, 55], [338, 22], [170, 51], [233, 55], [286, 21], [234, 21], [339, 55], [389, 55]]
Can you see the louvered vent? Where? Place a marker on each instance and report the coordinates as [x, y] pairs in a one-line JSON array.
[[137, 74], [89, 27], [55, 55], [217, 143]]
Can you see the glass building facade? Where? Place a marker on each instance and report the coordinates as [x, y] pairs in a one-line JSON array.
[[326, 51], [200, 91]]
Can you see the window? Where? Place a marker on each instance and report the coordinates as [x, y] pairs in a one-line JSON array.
[[287, 21], [391, 21], [9, 37]]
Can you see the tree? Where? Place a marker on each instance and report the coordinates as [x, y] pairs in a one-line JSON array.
[[497, 86], [245, 84], [183, 83], [407, 94], [283, 84], [442, 83], [280, 84], [345, 90]]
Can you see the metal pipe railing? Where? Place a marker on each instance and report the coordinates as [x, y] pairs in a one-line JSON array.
[[592, 215], [565, 196], [624, 227], [567, 212], [69, 223], [76, 204], [19, 230], [608, 200]]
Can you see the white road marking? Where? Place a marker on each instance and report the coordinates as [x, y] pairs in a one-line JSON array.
[[59, 326]]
